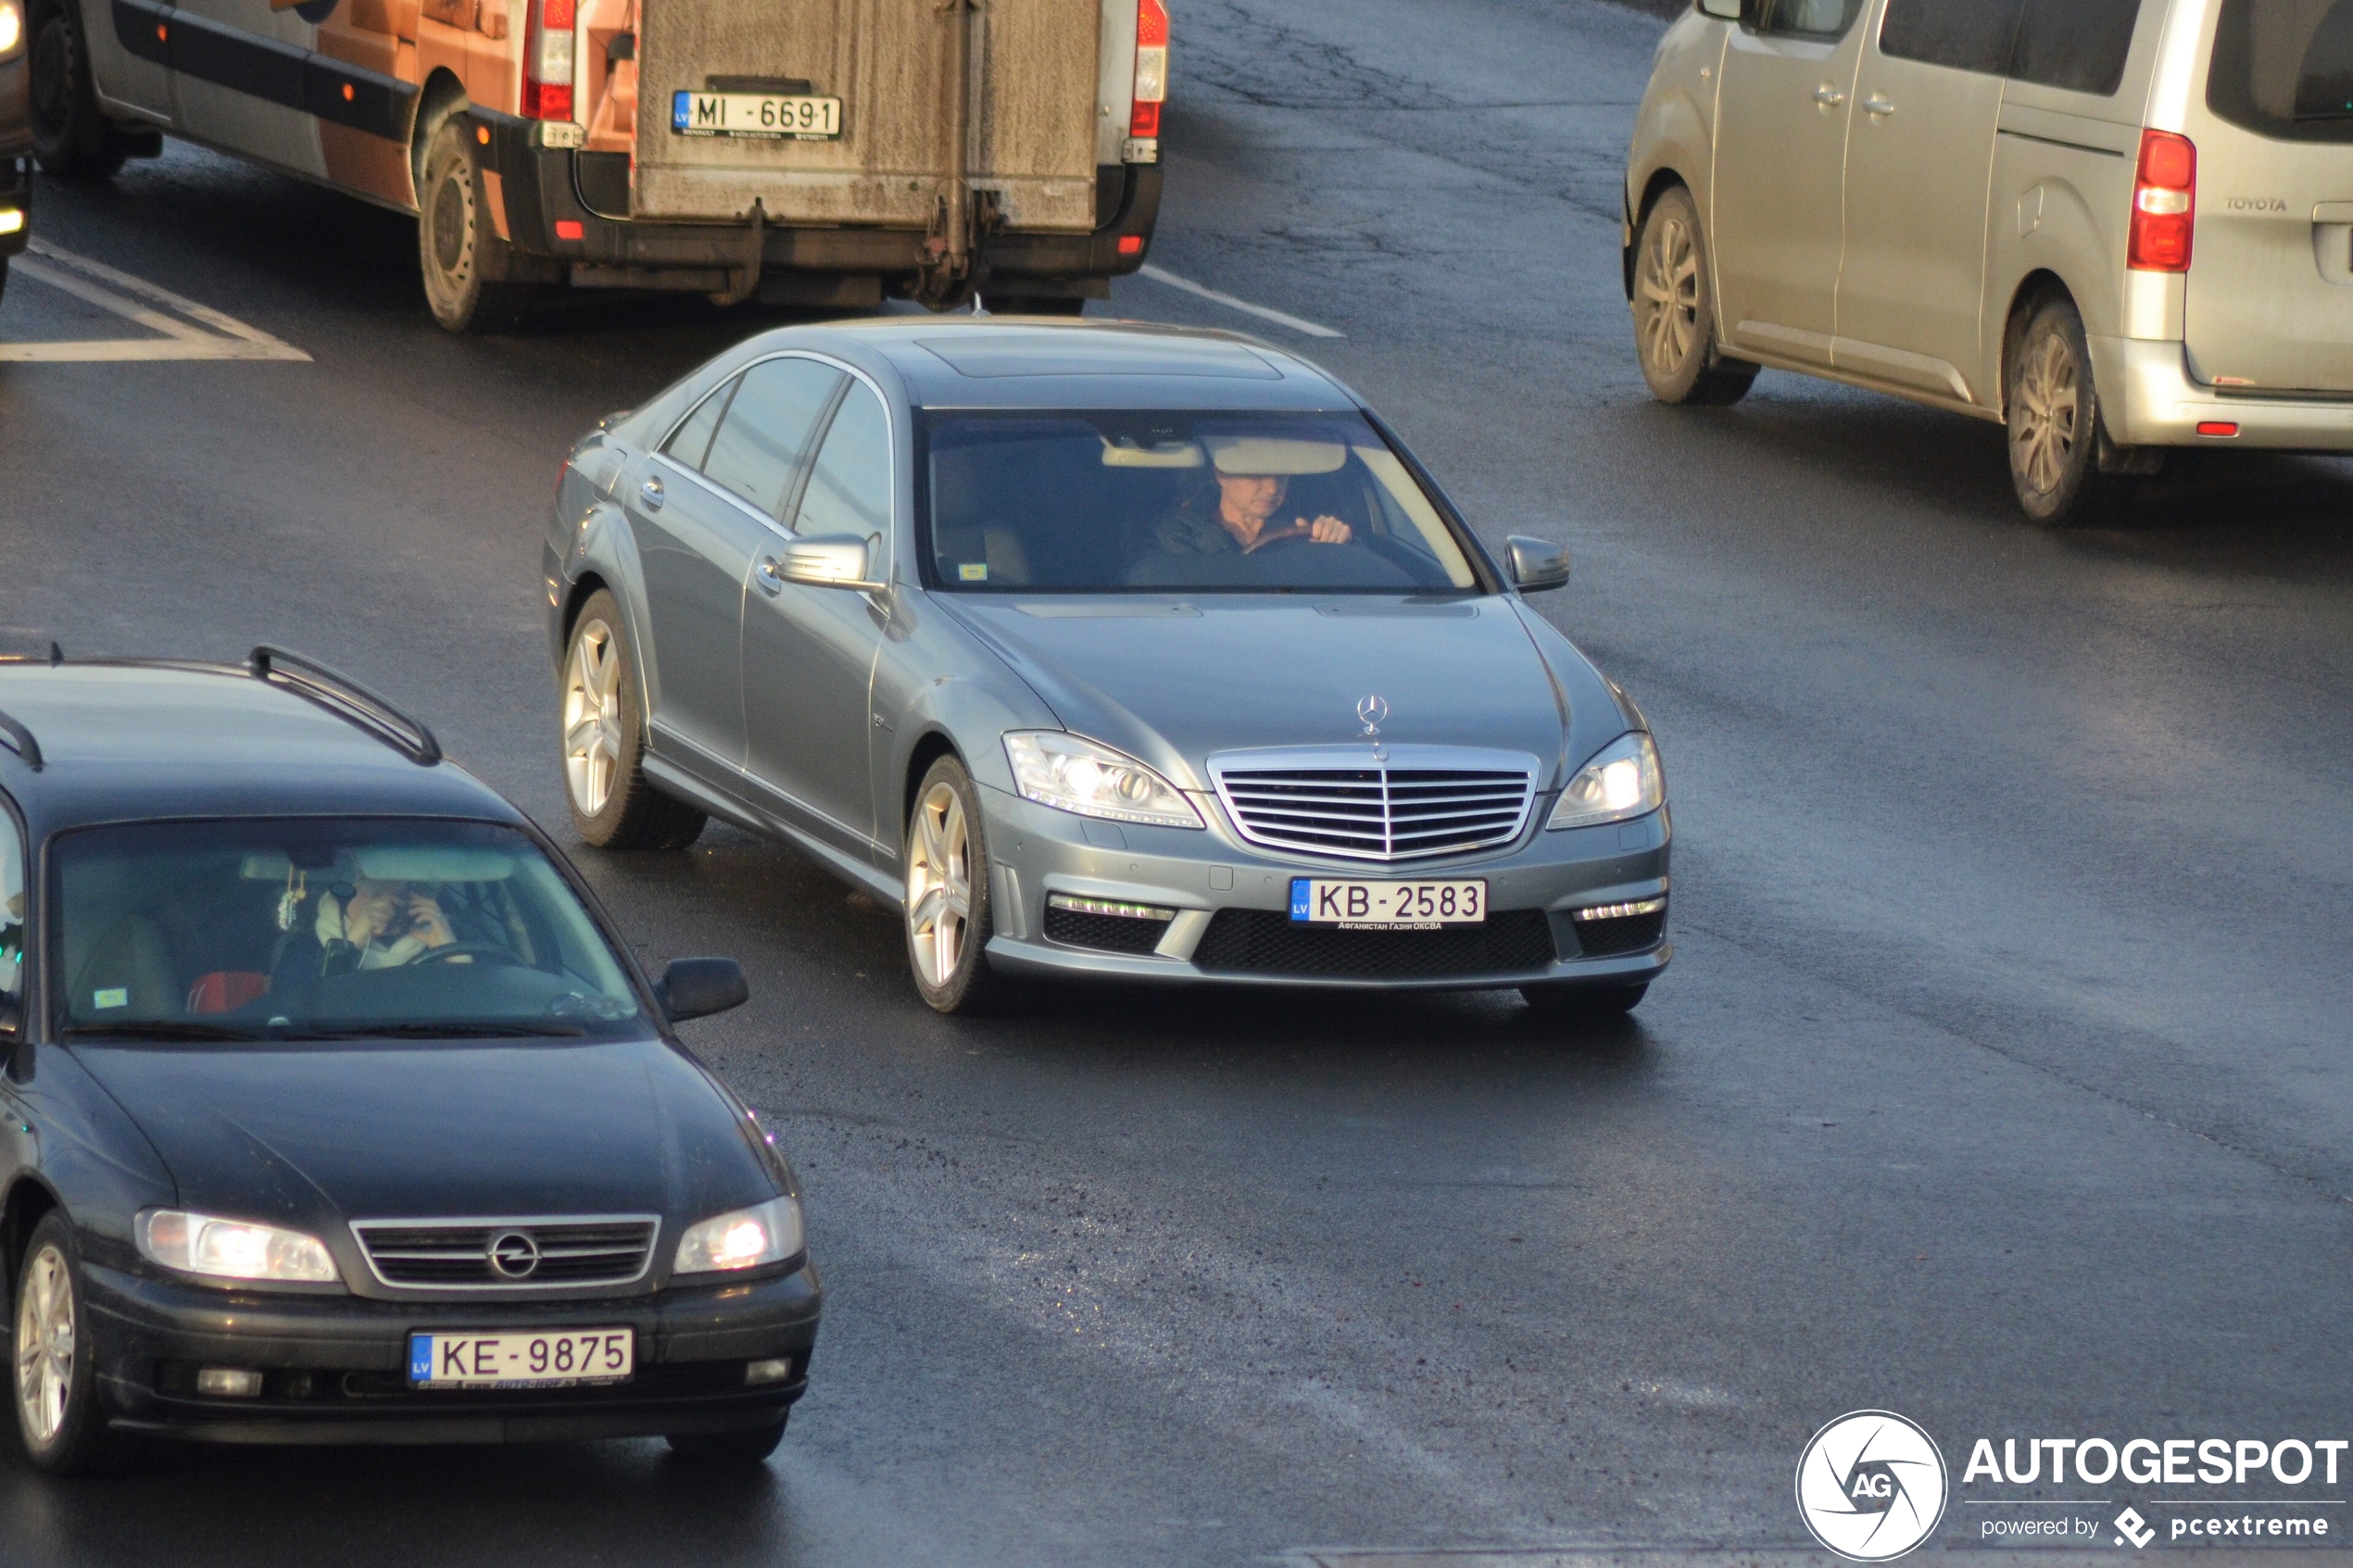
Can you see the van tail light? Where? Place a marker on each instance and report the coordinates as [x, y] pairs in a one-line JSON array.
[[546, 61], [2164, 204], [1152, 68]]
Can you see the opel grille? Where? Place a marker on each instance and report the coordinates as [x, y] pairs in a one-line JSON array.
[[553, 1253]]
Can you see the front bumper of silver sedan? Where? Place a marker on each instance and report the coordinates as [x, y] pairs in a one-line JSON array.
[[1066, 892]]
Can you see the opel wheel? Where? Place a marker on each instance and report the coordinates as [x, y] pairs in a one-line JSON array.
[[1674, 311], [948, 917], [57, 1401], [612, 803]]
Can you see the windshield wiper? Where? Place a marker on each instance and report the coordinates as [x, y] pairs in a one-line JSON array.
[[159, 1029], [453, 1031]]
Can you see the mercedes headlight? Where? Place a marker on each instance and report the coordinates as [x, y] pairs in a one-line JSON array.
[[745, 1239], [1070, 774], [200, 1244], [1621, 782]]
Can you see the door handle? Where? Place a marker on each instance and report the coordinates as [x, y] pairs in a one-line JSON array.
[[767, 576], [1828, 96], [1878, 105], [650, 492]]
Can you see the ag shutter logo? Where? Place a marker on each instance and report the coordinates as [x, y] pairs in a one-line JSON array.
[[1871, 1486]]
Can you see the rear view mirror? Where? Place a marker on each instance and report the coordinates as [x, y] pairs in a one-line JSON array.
[[830, 560], [698, 987], [1537, 564]]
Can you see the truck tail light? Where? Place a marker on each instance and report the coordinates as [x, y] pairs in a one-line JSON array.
[[546, 61], [2164, 204], [1152, 68]]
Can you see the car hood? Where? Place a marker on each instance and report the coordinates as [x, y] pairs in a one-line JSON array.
[[303, 1135], [1174, 680]]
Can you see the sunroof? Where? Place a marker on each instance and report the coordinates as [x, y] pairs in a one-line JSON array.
[[988, 356]]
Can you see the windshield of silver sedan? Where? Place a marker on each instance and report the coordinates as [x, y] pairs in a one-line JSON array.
[[324, 929], [1107, 502]]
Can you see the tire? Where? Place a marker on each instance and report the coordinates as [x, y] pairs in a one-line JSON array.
[[946, 911], [1032, 304], [71, 137], [614, 804], [1674, 308], [726, 1450], [455, 242], [1583, 1004], [2053, 410], [55, 1389]]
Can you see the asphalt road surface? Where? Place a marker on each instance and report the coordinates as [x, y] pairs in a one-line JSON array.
[[2001, 1079]]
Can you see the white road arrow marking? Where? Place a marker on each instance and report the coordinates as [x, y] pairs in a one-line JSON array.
[[181, 334]]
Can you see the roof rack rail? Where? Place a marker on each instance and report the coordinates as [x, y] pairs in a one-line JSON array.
[[18, 739], [346, 699]]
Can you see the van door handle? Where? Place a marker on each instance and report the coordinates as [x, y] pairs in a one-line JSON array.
[[767, 575], [650, 492], [1878, 105], [1829, 96]]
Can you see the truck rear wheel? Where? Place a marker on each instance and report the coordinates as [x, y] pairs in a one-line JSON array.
[[456, 241], [72, 140]]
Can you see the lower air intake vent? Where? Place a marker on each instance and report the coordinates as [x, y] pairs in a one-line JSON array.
[[1268, 942]]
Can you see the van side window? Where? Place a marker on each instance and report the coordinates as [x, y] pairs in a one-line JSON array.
[[690, 441], [2284, 68], [11, 908], [2079, 46], [767, 428], [1807, 19], [1964, 34]]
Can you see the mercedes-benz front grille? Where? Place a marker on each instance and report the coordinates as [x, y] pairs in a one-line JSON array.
[[1410, 803], [553, 1253]]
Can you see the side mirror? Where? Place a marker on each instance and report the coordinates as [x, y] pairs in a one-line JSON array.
[[1537, 564], [698, 987], [1729, 10], [830, 560]]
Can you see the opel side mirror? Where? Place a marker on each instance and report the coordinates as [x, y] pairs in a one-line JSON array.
[[831, 560], [698, 987], [1537, 564]]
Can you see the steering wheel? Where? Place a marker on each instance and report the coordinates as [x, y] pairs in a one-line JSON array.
[[449, 952]]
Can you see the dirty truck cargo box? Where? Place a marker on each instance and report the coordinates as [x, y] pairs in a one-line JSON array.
[[1034, 72]]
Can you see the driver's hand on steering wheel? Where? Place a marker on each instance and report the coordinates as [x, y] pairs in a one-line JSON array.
[[1326, 530]]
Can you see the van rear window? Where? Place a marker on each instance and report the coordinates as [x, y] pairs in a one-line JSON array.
[[2079, 46], [2284, 68]]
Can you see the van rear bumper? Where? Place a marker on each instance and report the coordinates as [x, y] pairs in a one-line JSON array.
[[539, 188], [2153, 401]]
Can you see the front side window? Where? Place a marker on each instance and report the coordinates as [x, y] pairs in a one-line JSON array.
[[759, 443], [2284, 68], [1157, 502], [1807, 19], [11, 913], [271, 929]]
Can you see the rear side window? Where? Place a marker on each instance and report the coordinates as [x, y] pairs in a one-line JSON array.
[[2284, 68], [690, 441], [2077, 45], [1807, 19], [850, 488], [766, 429]]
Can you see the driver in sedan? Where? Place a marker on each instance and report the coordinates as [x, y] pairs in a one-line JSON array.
[[381, 925], [1253, 477]]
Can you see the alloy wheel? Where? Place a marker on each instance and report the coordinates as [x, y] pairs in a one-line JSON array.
[[2049, 398], [45, 1346], [939, 887], [1670, 290], [592, 718]]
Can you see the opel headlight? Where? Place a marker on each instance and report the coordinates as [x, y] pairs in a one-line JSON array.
[[11, 26], [1621, 782], [745, 1239], [1070, 774], [200, 1244]]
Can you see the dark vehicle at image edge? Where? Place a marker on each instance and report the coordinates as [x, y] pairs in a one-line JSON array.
[[335, 1110], [15, 136]]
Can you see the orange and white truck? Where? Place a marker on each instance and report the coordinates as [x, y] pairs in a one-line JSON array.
[[821, 151]]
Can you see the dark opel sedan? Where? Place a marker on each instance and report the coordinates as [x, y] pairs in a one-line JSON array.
[[335, 1111]]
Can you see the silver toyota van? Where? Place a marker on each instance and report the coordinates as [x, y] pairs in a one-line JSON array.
[[2118, 226]]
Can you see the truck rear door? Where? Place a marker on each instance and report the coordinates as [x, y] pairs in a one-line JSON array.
[[711, 71]]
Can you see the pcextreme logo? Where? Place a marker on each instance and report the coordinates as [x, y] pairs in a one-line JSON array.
[[1871, 1486]]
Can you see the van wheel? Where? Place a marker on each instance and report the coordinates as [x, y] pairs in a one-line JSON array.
[[1674, 311], [2055, 424], [72, 140], [614, 804], [456, 241]]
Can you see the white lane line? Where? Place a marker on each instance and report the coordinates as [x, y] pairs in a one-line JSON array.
[[229, 339], [1162, 275]]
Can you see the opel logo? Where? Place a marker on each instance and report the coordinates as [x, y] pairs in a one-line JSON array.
[[1372, 711], [513, 1255]]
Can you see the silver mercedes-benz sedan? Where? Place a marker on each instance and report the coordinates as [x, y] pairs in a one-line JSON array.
[[1100, 649]]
